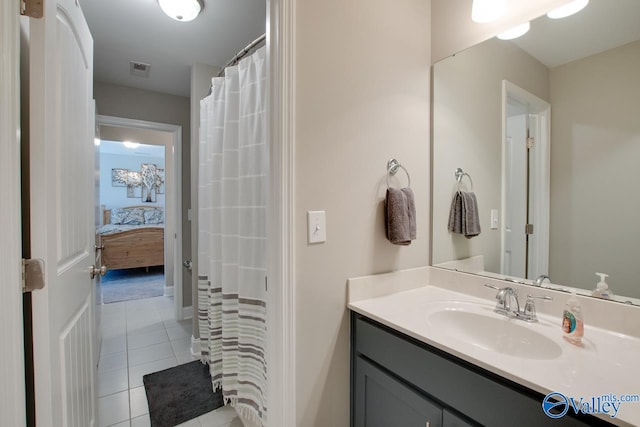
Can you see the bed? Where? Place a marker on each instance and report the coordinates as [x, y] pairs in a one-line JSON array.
[[132, 237]]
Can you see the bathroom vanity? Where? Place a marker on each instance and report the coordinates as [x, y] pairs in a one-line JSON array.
[[398, 381], [426, 355]]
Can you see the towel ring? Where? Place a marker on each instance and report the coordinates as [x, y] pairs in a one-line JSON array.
[[459, 174], [392, 168]]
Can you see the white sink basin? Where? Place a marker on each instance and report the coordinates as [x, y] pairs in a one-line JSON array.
[[485, 329]]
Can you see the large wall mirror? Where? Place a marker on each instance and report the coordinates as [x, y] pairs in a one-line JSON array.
[[547, 129]]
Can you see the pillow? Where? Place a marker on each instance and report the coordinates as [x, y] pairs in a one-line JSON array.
[[134, 216], [117, 215], [127, 216], [153, 216]]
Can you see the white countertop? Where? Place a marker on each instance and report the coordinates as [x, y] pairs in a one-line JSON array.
[[607, 362]]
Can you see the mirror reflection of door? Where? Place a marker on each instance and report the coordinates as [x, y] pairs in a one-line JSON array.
[[515, 214], [525, 192]]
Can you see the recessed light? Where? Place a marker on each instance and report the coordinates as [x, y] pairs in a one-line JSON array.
[[568, 9], [130, 144]]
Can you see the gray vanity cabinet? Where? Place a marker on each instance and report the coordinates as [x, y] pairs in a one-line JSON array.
[[384, 401], [397, 381]]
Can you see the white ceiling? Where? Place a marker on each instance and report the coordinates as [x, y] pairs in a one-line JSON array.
[[602, 25], [138, 30]]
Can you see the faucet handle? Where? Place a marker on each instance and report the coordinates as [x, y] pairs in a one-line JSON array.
[[492, 287], [530, 307]]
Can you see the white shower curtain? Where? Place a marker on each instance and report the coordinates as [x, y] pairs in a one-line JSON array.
[[233, 174]]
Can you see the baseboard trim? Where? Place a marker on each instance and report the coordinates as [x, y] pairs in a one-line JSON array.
[[195, 347], [168, 291], [187, 312]]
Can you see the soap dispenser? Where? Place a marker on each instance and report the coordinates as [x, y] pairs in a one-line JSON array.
[[602, 288], [573, 321]]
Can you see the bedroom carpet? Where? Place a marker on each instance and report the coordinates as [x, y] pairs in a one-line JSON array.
[[132, 283], [179, 394]]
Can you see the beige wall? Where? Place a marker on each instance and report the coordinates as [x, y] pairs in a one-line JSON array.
[[453, 30], [362, 97], [594, 162], [130, 103], [467, 133], [201, 75]]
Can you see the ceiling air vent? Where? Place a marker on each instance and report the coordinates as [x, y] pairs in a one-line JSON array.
[[139, 69]]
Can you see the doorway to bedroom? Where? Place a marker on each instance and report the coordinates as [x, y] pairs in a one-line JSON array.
[[132, 207], [149, 193]]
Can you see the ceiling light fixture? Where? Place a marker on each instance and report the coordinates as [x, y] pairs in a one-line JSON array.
[[485, 11], [568, 9], [181, 10], [515, 32], [130, 144]]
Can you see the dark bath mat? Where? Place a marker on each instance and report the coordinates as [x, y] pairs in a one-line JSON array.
[[180, 394]]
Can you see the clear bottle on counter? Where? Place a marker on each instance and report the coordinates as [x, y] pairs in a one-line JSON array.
[[573, 320]]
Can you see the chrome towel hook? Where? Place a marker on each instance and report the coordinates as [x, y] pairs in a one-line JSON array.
[[392, 168], [459, 174]]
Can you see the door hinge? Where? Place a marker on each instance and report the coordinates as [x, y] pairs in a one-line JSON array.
[[32, 277], [266, 284], [530, 142], [528, 229], [32, 8]]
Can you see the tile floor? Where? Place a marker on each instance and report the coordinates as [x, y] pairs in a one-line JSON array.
[[140, 337]]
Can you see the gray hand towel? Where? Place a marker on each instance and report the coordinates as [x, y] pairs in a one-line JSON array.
[[463, 215], [455, 214], [471, 218], [400, 216]]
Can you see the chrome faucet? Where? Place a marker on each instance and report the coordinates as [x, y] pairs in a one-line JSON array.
[[507, 295], [540, 280]]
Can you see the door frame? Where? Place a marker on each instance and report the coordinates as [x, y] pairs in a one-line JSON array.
[[281, 338], [540, 188], [173, 154], [281, 321], [12, 364], [281, 262]]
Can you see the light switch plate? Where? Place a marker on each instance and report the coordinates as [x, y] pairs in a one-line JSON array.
[[494, 219], [316, 227]]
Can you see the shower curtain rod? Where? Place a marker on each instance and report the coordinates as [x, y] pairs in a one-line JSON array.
[[243, 53]]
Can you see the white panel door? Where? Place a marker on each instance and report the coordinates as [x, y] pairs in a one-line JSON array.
[[62, 216], [514, 255], [12, 388]]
